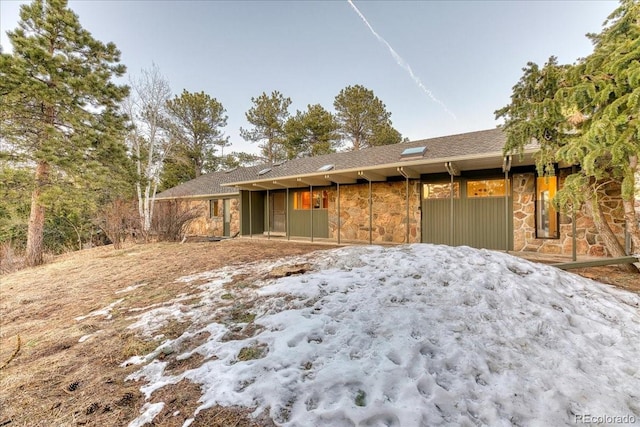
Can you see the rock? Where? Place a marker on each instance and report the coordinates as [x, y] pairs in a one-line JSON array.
[[288, 270]]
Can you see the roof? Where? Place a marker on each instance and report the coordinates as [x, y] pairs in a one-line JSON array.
[[209, 185], [469, 151]]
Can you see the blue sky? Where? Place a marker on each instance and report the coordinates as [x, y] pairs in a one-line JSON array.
[[468, 54]]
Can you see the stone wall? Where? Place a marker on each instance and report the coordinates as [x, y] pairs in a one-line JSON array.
[[389, 210], [588, 242], [204, 225]]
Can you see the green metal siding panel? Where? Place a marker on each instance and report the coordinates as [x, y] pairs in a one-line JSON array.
[[257, 215], [300, 220], [478, 222], [486, 223], [244, 213], [257, 212], [436, 221], [300, 223]]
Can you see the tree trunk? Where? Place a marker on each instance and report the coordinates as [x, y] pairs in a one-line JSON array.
[[35, 234], [628, 201], [604, 231], [632, 223]]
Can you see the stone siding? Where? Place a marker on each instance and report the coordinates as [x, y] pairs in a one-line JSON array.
[[205, 225], [588, 242], [389, 210]]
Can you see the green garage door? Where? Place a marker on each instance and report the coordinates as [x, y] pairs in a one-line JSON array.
[[477, 211]]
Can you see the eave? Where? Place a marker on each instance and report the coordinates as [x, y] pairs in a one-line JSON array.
[[412, 169]]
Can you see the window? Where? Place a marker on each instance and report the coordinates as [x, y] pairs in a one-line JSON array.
[[441, 190], [412, 153], [487, 188], [214, 208], [302, 200], [547, 224], [326, 168]]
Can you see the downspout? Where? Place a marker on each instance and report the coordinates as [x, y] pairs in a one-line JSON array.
[[406, 177], [506, 167], [338, 184], [287, 219], [268, 218], [311, 216]]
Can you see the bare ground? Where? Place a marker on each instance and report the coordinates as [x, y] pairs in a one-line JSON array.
[[48, 377]]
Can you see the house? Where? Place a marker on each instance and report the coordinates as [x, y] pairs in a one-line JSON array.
[[456, 190]]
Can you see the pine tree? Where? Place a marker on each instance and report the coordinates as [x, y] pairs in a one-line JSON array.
[[587, 114], [311, 133], [363, 118], [605, 90], [268, 116], [59, 106], [196, 120]]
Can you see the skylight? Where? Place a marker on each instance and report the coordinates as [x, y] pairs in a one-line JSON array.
[[326, 168], [264, 171], [413, 152]]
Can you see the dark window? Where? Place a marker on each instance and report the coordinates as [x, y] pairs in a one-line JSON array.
[[214, 208]]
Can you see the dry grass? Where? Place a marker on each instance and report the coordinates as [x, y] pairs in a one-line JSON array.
[[55, 380]]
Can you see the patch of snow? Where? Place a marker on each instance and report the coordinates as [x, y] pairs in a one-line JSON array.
[[84, 338], [149, 412], [130, 288], [155, 319], [159, 304], [102, 312], [417, 335]]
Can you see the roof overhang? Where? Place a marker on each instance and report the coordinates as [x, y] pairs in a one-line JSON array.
[[201, 196], [412, 169]]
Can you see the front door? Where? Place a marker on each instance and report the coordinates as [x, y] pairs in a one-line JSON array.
[[277, 213]]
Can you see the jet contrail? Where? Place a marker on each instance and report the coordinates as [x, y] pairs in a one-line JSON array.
[[401, 62]]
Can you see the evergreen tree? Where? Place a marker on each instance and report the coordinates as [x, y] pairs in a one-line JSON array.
[[14, 210], [586, 114], [196, 121], [59, 106], [238, 159], [311, 133], [363, 118], [175, 171], [535, 114], [605, 90], [268, 116]]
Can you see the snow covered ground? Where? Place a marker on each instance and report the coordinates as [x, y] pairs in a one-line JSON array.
[[417, 335]]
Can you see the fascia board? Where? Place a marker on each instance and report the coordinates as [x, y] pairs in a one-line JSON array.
[[394, 165]]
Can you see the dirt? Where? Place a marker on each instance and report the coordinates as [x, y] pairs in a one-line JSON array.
[[612, 276], [49, 377]]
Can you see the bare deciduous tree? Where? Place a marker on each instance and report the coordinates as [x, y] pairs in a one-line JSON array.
[[148, 140]]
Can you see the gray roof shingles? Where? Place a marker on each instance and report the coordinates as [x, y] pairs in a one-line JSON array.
[[466, 144]]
